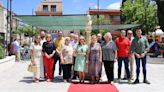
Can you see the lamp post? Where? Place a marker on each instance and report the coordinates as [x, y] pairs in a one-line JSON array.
[[98, 15], [10, 24], [7, 18]]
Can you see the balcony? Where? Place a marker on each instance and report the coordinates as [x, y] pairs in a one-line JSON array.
[[48, 13]]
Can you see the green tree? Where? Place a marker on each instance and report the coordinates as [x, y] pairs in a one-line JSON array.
[[100, 21], [142, 12], [27, 31], [160, 4], [2, 52]]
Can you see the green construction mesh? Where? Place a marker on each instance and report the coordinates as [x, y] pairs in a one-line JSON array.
[[71, 22], [66, 22]]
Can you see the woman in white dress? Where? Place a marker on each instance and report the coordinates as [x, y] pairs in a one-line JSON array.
[[36, 57]]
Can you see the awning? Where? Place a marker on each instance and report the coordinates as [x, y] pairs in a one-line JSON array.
[[114, 27], [66, 22], [63, 22]]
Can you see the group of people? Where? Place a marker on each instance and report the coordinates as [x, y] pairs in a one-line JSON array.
[[77, 59]]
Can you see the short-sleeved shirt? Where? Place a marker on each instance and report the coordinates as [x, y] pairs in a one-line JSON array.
[[67, 54], [48, 47], [37, 50], [139, 45], [123, 46], [108, 50], [59, 43], [16, 46]]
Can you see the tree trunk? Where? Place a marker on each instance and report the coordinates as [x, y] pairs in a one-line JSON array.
[[160, 12], [122, 17]]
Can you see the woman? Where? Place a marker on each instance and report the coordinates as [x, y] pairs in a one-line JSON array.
[[36, 56], [80, 62], [109, 55], [94, 59], [48, 52], [66, 59]]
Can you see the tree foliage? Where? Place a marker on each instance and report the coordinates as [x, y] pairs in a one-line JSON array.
[[141, 12], [101, 20], [160, 4], [2, 52], [27, 31]]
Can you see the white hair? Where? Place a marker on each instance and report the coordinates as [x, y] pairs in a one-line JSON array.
[[99, 34], [76, 36], [108, 34], [72, 34], [130, 31]]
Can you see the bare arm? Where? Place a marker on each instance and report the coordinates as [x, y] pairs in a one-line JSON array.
[[61, 57], [32, 56], [100, 53], [88, 55]]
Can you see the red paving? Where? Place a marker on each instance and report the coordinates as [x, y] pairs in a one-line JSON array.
[[92, 88]]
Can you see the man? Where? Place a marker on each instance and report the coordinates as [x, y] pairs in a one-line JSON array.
[[140, 47], [42, 68], [72, 39], [123, 45], [42, 36], [99, 38], [75, 73], [59, 42], [16, 49], [131, 56]]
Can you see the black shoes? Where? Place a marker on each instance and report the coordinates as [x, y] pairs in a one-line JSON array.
[[136, 81], [146, 81]]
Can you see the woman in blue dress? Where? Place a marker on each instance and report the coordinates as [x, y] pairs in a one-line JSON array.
[[80, 62]]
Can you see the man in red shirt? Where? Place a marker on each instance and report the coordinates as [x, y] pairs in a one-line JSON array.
[[123, 45]]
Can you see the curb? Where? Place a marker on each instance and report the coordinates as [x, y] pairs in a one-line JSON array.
[[8, 59]]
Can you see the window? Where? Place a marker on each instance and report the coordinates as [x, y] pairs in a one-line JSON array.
[[114, 17], [53, 8], [45, 8], [111, 17]]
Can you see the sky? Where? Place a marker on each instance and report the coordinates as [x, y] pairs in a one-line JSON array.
[[25, 7]]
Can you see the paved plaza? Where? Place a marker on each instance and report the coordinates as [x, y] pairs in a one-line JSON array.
[[14, 77]]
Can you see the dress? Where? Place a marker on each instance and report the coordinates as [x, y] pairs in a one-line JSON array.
[[37, 55], [94, 63], [80, 62]]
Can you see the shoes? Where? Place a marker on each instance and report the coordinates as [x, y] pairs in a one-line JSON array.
[[131, 78], [146, 81], [59, 73], [65, 81], [124, 78], [36, 80], [129, 81], [92, 82], [109, 82], [136, 81], [41, 78], [74, 77], [119, 80], [49, 80]]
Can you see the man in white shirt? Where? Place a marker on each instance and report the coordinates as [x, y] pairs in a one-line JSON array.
[[42, 40]]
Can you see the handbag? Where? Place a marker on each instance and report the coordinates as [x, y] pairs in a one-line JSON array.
[[32, 68]]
